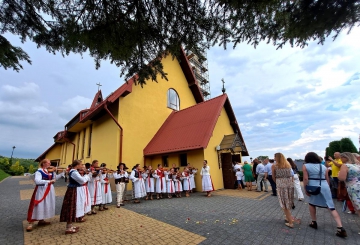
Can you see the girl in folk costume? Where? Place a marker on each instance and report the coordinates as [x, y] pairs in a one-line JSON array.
[[83, 204], [121, 177], [207, 184], [160, 182], [138, 183], [94, 186], [106, 195], [186, 181], [170, 182], [148, 176], [42, 204], [69, 206], [177, 183], [193, 171]]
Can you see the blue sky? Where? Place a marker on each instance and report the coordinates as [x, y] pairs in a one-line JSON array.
[[290, 100]]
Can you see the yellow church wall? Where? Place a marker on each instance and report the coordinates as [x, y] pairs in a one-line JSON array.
[[222, 128], [54, 153], [105, 142], [142, 112]]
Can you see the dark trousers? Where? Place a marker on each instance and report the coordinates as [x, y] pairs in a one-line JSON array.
[[273, 184], [335, 187]]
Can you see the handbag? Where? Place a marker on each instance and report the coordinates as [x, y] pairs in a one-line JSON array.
[[314, 190]]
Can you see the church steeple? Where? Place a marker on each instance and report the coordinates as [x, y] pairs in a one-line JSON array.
[[98, 98]]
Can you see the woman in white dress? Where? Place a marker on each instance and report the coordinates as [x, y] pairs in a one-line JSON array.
[[297, 185], [207, 184], [42, 204], [139, 190], [193, 171], [83, 204], [106, 195], [160, 182], [94, 186], [148, 177], [177, 183], [186, 182], [170, 182]]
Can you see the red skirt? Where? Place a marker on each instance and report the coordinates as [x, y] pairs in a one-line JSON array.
[[68, 209]]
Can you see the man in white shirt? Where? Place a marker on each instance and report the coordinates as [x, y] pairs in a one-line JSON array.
[[260, 171]]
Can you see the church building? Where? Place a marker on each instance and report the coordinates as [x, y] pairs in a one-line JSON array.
[[167, 122]]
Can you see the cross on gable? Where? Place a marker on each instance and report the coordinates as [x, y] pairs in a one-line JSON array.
[[99, 85]]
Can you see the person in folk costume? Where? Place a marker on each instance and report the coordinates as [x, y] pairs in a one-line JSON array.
[[42, 203], [193, 171], [160, 182], [207, 184], [83, 204], [69, 206], [94, 186], [177, 183], [148, 177], [170, 182], [138, 183], [121, 177], [186, 181], [106, 195]]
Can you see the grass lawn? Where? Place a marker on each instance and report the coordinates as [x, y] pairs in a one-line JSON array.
[[3, 175]]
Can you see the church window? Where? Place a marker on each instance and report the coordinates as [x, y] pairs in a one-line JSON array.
[[183, 160], [173, 100], [90, 136]]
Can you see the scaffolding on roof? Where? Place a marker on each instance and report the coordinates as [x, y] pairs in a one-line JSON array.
[[200, 69]]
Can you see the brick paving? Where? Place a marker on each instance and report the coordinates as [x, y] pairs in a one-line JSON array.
[[228, 217]]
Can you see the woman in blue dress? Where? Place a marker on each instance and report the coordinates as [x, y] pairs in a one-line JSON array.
[[312, 177]]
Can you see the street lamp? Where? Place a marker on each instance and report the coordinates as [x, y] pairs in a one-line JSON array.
[[12, 154]]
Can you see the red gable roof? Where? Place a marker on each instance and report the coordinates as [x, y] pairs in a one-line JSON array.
[[191, 128]]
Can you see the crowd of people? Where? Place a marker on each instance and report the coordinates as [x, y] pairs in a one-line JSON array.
[[337, 178], [89, 187]]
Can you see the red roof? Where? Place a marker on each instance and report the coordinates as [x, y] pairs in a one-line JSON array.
[[191, 128]]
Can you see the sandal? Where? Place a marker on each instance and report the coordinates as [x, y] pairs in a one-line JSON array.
[[93, 212], [289, 225], [29, 228], [80, 220], [313, 224], [71, 231], [89, 213]]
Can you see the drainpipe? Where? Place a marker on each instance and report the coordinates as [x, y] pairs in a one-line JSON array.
[[121, 131]]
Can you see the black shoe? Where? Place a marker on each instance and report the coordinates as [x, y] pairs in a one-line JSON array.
[[341, 232], [274, 195], [313, 224], [122, 204]]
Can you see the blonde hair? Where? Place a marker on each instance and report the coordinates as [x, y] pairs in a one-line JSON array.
[[43, 161], [349, 156], [281, 161]]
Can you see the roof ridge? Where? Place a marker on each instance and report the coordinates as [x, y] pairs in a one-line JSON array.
[[217, 97]]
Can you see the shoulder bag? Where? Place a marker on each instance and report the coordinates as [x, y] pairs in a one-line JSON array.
[[314, 190]]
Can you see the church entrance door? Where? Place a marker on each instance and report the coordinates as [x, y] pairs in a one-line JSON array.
[[227, 170]]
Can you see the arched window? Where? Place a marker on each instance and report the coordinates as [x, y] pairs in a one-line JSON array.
[[173, 101]]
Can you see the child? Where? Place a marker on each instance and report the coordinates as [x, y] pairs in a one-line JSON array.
[[239, 176]]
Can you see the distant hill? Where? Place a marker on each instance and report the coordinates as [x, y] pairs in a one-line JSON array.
[[23, 162]]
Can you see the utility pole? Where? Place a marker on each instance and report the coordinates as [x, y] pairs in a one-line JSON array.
[[13, 148]]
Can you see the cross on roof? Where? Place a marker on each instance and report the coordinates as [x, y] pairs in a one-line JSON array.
[[223, 88], [99, 85]]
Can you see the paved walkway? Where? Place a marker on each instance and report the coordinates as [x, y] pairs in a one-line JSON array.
[[228, 217]]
